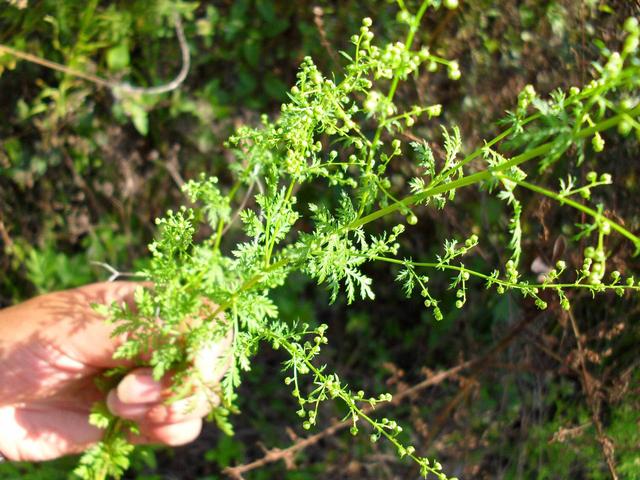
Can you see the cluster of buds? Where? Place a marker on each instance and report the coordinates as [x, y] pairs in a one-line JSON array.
[[594, 265]]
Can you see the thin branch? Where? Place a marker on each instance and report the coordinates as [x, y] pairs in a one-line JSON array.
[[117, 88], [240, 208], [594, 404], [115, 274], [176, 82], [318, 13], [56, 66]]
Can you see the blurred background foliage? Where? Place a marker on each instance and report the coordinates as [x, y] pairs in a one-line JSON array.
[[84, 171]]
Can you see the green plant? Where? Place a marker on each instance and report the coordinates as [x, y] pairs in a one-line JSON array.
[[342, 134]]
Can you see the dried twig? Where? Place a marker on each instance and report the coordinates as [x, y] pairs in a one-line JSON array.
[[4, 236], [240, 208], [115, 274], [589, 387], [318, 14]]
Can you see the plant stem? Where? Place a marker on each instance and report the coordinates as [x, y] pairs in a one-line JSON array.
[[247, 286], [346, 398], [270, 241], [505, 283], [454, 185], [459, 183], [487, 174], [578, 206], [113, 429], [415, 23]]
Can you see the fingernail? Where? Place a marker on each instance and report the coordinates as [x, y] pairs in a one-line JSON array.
[[126, 410], [140, 387]]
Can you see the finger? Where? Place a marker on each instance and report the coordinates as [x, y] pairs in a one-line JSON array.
[[77, 330], [130, 411], [172, 434], [52, 341], [39, 432], [213, 360], [193, 407], [139, 386]]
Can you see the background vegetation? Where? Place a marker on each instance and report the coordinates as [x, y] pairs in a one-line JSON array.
[[81, 170]]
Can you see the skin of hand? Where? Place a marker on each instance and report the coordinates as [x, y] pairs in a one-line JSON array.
[[51, 349]]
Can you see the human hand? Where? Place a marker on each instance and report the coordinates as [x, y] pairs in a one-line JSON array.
[[51, 349]]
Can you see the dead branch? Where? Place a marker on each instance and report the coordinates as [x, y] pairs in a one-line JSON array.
[[589, 385]]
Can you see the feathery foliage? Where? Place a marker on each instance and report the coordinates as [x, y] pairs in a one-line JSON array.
[[341, 132]]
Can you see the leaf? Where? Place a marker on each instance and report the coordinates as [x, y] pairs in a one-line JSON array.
[[425, 156], [118, 57], [138, 115], [100, 415]]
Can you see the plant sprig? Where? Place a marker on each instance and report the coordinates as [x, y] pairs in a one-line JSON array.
[[340, 132]]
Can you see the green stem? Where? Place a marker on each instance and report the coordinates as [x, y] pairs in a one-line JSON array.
[[486, 174], [347, 399], [578, 206], [253, 281], [112, 431], [454, 185], [505, 283], [271, 241], [392, 91], [459, 183]]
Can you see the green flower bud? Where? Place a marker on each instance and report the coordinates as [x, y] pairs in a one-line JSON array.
[[631, 25], [630, 44], [454, 71], [541, 304], [624, 128], [597, 142]]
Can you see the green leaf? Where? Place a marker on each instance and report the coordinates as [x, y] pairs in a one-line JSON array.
[[138, 115], [100, 415], [118, 57]]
